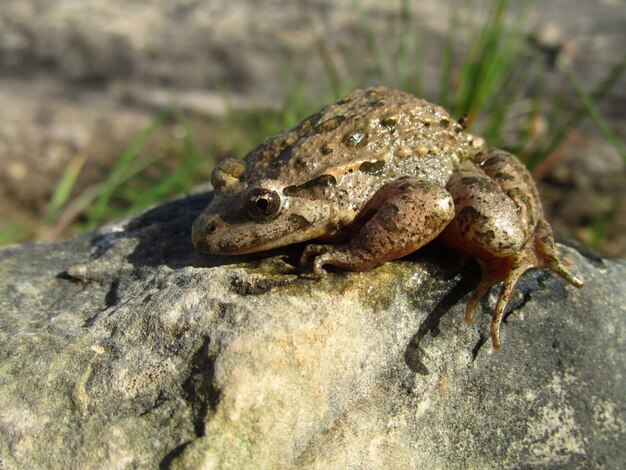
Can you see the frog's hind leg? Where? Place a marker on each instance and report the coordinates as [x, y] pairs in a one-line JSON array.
[[401, 217], [499, 221]]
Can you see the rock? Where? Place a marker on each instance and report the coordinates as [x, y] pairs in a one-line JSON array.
[[126, 348]]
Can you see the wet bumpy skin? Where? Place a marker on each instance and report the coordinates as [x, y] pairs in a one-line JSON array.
[[376, 176]]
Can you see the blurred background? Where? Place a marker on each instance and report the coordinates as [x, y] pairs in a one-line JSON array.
[[111, 106]]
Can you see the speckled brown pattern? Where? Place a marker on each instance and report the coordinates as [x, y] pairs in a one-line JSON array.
[[381, 173]]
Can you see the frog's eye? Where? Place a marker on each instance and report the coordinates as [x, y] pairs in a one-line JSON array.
[[261, 203]]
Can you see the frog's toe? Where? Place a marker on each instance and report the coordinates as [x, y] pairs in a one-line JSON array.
[[506, 292], [318, 266], [316, 256], [545, 250], [505, 270], [480, 291], [312, 251]]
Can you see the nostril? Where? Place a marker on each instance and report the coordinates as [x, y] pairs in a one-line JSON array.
[[210, 227], [201, 231]]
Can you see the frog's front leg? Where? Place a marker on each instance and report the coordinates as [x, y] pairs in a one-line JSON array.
[[399, 219], [500, 222]]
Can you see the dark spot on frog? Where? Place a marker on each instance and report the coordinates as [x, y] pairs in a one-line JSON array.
[[327, 150], [355, 139], [389, 124], [300, 163], [415, 184], [343, 195], [297, 221], [469, 180], [488, 235], [372, 168], [319, 182], [467, 218], [330, 124], [504, 176], [444, 122], [309, 122], [492, 161], [389, 219], [485, 184], [462, 121]]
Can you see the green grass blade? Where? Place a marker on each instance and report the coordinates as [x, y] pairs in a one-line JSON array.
[[593, 111], [495, 52], [373, 46], [178, 180], [558, 136], [409, 60], [121, 171], [332, 73], [446, 84], [64, 188]]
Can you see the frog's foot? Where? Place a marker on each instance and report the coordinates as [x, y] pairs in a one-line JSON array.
[[499, 221], [399, 219], [539, 252], [317, 256], [545, 250], [494, 271]]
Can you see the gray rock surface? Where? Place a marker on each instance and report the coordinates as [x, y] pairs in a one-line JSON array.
[[125, 349]]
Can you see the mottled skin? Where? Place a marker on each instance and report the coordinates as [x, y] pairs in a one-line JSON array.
[[379, 174]]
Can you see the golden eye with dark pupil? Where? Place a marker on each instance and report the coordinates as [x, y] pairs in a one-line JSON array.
[[261, 204]]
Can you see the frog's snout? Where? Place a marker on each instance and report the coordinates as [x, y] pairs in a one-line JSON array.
[[202, 233]]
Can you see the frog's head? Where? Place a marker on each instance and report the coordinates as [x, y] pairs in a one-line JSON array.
[[250, 216]]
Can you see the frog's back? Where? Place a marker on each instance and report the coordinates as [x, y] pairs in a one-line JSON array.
[[375, 132]]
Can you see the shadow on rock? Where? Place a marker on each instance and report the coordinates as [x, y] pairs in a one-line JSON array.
[[413, 354], [164, 235]]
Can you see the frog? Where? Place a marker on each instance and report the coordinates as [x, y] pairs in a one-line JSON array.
[[374, 177]]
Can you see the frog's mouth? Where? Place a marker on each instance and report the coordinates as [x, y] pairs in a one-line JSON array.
[[233, 234], [212, 236]]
